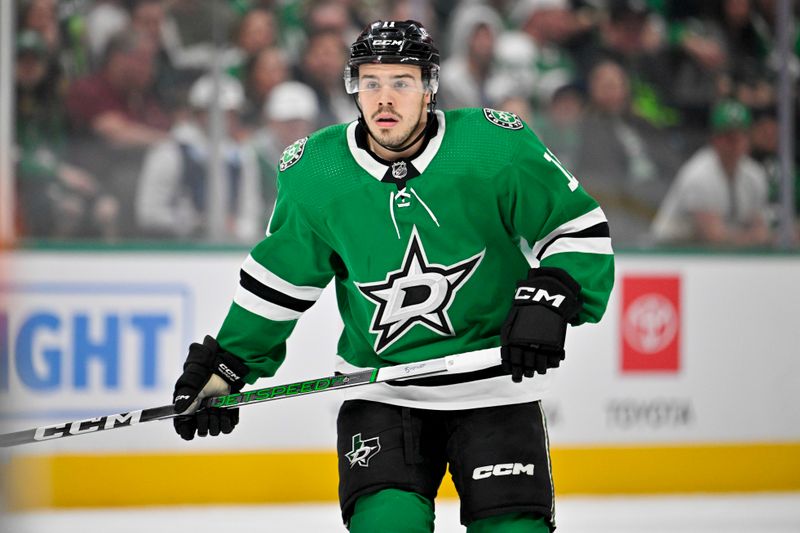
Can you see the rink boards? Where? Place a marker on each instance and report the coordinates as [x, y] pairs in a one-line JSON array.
[[690, 383]]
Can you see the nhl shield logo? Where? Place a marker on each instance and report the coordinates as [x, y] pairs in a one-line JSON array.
[[399, 170], [504, 119], [292, 153]]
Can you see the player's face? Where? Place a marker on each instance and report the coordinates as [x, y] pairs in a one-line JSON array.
[[393, 101]]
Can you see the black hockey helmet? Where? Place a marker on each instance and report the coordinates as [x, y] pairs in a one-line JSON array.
[[394, 42]]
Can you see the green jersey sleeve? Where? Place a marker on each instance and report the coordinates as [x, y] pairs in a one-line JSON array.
[[545, 205], [281, 278]]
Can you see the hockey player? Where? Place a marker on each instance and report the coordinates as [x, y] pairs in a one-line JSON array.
[[420, 217]]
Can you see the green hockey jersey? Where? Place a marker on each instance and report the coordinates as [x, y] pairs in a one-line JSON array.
[[424, 252]]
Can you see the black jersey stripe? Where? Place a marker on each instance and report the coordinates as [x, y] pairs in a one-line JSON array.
[[598, 230], [271, 295]]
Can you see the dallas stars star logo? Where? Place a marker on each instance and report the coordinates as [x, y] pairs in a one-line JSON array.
[[419, 292], [504, 119], [363, 450]]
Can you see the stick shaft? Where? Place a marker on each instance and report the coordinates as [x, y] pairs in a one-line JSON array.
[[86, 426], [452, 363]]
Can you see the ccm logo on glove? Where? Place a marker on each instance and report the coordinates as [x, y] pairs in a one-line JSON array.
[[227, 372], [539, 295], [533, 334]]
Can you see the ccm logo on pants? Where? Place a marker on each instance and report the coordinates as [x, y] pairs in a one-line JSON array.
[[505, 469]]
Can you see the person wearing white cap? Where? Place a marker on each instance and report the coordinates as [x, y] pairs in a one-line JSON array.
[[290, 113], [547, 24], [474, 29], [173, 194]]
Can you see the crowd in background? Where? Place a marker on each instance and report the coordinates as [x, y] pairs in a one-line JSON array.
[[665, 110]]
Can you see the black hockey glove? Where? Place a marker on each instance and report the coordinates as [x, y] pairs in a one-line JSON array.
[[208, 371], [533, 334]]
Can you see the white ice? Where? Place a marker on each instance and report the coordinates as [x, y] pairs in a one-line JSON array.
[[761, 513]]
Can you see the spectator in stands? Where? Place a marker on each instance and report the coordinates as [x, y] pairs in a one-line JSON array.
[[548, 24], [117, 103], [558, 125], [104, 19], [616, 157], [765, 21], [743, 45], [56, 198], [466, 73], [257, 30], [719, 196], [629, 36], [173, 194], [321, 69], [147, 19], [699, 67], [755, 60], [267, 69], [514, 53], [718, 52], [41, 16], [115, 117], [289, 114], [337, 16], [764, 149], [62, 29]]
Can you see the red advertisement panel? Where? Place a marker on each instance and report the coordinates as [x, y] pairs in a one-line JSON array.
[[651, 323]]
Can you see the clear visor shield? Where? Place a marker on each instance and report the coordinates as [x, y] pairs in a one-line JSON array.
[[402, 84]]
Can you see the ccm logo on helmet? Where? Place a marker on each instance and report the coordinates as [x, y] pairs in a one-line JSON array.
[[386, 42], [537, 295], [505, 469]]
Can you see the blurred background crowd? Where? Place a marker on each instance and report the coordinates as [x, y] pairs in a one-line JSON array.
[[665, 110]]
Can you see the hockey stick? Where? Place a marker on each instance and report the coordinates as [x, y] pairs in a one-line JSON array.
[[465, 362]]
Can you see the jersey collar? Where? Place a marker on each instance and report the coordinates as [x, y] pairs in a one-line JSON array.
[[378, 168]]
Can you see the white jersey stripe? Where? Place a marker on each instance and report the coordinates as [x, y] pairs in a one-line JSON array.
[[362, 157], [424, 159], [592, 218], [263, 308], [265, 277], [587, 245]]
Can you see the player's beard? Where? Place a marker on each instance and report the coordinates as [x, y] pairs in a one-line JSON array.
[[396, 138]]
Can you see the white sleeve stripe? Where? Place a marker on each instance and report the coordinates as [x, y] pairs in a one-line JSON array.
[[263, 308], [587, 220], [265, 277], [592, 245]]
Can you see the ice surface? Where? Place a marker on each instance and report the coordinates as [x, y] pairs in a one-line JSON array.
[[762, 513]]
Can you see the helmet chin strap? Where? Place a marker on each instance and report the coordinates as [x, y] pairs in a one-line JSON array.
[[408, 145]]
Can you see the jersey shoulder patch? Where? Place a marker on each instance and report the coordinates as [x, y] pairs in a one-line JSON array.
[[292, 153], [503, 119]]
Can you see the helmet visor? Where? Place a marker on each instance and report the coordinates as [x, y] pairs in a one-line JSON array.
[[402, 84]]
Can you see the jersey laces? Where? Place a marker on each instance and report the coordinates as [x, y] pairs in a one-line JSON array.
[[403, 199]]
